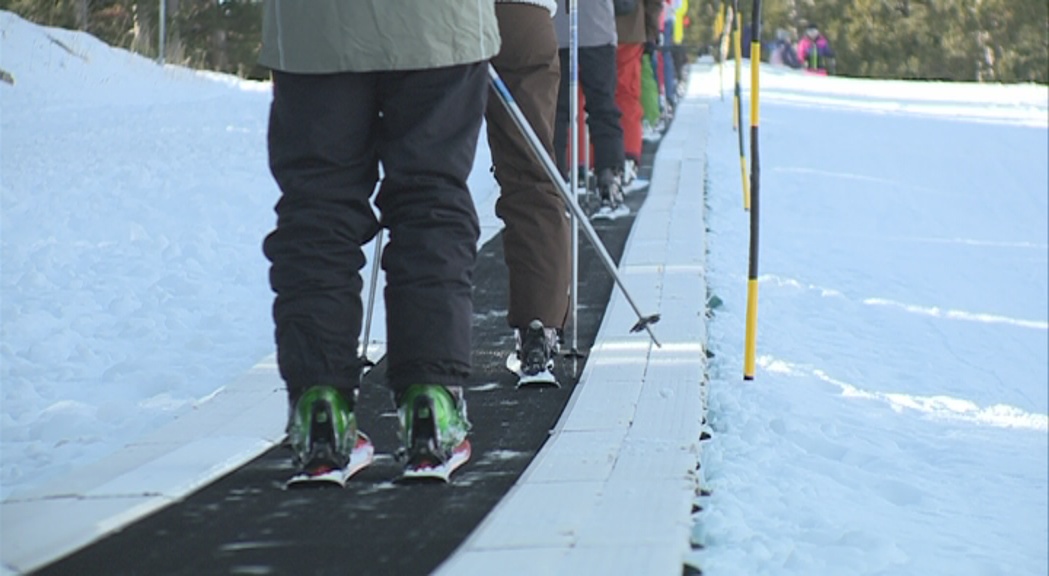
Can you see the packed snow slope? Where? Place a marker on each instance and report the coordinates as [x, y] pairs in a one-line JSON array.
[[897, 423], [135, 201], [898, 420]]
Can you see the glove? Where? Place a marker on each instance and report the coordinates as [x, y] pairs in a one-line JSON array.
[[650, 47]]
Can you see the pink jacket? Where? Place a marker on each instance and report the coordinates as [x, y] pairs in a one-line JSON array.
[[813, 53]]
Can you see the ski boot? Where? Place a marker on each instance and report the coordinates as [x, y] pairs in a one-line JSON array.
[[434, 427], [629, 172], [325, 441], [610, 189], [537, 346]]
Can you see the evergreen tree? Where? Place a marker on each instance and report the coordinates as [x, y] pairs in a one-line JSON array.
[[967, 40]]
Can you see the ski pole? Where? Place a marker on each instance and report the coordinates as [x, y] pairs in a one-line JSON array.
[[643, 322], [365, 362], [586, 158], [573, 104], [750, 343], [737, 108]]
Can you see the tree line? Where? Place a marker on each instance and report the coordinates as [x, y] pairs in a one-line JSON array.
[[958, 40], [221, 35]]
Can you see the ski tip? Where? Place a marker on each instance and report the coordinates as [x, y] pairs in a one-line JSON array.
[[543, 379], [434, 471], [611, 214], [317, 478]]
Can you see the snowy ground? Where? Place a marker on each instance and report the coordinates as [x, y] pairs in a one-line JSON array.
[[898, 421], [135, 200]]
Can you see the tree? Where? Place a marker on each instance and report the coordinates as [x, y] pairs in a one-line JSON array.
[[82, 10], [970, 40], [1013, 39]]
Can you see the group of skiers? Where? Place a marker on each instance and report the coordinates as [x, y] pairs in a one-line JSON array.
[[405, 86], [812, 52], [627, 74]]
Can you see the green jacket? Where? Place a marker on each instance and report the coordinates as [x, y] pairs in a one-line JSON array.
[[325, 36]]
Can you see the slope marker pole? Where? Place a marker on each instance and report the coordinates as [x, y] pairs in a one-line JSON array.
[[721, 27], [750, 343], [737, 104]]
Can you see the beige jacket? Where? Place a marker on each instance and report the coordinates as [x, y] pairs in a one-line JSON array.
[[325, 36]]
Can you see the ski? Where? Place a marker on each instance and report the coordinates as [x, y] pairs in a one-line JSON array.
[[429, 467], [544, 377], [434, 428], [609, 213], [360, 458]]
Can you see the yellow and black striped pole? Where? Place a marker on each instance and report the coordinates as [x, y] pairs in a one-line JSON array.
[[737, 104], [720, 33], [737, 55], [750, 343]]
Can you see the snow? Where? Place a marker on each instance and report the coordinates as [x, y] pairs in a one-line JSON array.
[[899, 418], [135, 200], [897, 422]]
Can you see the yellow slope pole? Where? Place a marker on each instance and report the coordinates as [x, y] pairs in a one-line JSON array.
[[737, 108], [750, 343], [737, 58], [719, 31]]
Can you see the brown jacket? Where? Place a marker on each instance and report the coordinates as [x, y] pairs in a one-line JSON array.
[[641, 26]]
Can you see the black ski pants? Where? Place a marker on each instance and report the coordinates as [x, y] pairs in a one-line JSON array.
[[536, 237], [328, 135], [597, 76]]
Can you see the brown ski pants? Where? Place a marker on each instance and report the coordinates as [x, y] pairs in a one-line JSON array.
[[536, 238]]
